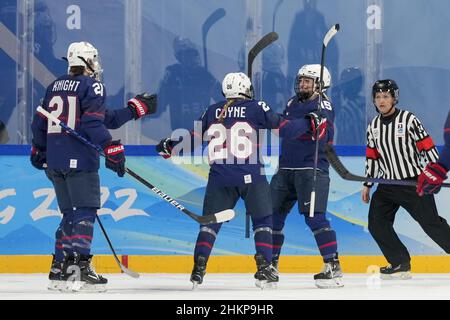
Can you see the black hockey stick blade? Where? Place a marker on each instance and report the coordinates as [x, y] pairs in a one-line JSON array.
[[342, 171], [124, 269], [209, 22], [258, 47], [219, 217]]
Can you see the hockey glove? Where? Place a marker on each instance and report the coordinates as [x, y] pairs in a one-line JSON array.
[[143, 104], [317, 124], [38, 158], [115, 157], [164, 148], [431, 179]]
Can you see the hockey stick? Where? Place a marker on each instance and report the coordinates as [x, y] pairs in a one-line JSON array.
[[129, 272], [257, 48], [219, 217], [330, 34], [342, 171], [277, 6], [212, 19], [264, 42]]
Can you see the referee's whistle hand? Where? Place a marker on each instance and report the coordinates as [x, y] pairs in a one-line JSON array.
[[365, 195]]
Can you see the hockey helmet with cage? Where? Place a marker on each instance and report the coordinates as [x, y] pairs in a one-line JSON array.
[[85, 55], [387, 85], [312, 71], [237, 85]]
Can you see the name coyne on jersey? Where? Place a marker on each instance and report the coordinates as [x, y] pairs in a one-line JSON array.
[[233, 112]]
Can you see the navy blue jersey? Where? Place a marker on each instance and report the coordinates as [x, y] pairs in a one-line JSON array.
[[234, 144], [298, 152], [79, 102]]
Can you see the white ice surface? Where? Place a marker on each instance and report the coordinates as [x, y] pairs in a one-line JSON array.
[[233, 287]]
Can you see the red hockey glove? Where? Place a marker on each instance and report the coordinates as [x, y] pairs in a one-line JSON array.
[[143, 104], [431, 179], [317, 124], [38, 158], [115, 157], [164, 148]]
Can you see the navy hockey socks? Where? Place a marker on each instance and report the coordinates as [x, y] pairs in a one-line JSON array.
[[83, 230], [277, 234], [205, 240], [262, 229], [63, 236], [324, 235]]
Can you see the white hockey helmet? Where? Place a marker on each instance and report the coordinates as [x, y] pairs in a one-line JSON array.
[[85, 55], [313, 71], [237, 85]]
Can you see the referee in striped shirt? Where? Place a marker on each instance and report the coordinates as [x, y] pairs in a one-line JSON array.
[[397, 145]]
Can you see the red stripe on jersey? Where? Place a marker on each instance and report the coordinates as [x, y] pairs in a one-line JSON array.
[[372, 153], [95, 114], [425, 144], [446, 129]]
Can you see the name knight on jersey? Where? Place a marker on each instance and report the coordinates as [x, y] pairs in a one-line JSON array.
[[233, 112], [66, 85]]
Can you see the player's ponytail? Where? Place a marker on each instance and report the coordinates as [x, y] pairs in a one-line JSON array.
[[225, 109]]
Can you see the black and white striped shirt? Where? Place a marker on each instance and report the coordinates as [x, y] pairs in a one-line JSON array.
[[398, 146]]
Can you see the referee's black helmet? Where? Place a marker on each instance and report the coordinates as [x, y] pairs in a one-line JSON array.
[[387, 85]]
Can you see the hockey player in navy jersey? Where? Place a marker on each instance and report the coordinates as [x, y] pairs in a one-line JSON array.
[[231, 127], [293, 181], [78, 99], [435, 173]]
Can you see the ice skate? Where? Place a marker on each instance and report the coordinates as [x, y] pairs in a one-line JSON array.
[[198, 272], [81, 276], [399, 272], [330, 276], [267, 275], [55, 276]]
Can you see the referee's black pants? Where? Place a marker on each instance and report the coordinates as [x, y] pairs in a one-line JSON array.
[[386, 201]]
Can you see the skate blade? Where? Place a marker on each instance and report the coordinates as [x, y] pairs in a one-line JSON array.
[[195, 285], [56, 285], [334, 283], [396, 276], [264, 285], [81, 286]]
